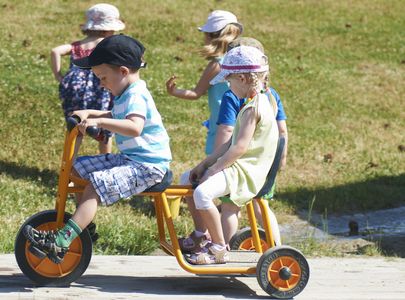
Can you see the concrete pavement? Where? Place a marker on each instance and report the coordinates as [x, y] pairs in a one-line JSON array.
[[160, 277]]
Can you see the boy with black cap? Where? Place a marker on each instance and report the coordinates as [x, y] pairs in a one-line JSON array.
[[140, 136]]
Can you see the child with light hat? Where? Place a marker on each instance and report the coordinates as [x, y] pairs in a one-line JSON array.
[[221, 28], [80, 89], [103, 17], [230, 107], [218, 19], [239, 168]]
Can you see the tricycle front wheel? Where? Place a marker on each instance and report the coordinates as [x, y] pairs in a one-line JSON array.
[[43, 271]]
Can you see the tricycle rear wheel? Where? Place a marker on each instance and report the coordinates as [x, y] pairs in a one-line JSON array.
[[282, 272], [43, 271]]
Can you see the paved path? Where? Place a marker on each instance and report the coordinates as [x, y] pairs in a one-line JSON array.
[[159, 277]]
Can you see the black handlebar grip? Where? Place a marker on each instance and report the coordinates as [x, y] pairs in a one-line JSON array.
[[72, 121], [93, 131]]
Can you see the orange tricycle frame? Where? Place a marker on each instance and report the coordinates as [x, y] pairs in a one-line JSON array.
[[163, 214], [281, 271]]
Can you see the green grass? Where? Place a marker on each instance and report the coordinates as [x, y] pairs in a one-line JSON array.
[[338, 66]]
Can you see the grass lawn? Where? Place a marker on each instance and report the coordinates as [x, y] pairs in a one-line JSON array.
[[339, 67]]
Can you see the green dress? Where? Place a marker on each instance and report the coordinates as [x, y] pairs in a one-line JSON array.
[[246, 176]]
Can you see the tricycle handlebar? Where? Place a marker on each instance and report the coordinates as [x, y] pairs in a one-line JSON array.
[[96, 133]]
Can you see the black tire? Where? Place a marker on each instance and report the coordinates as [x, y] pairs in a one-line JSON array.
[[45, 275], [282, 272], [242, 240]]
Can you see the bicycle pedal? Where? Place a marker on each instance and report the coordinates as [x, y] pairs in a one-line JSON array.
[[37, 252]]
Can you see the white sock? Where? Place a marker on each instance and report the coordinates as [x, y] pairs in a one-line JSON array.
[[218, 247]]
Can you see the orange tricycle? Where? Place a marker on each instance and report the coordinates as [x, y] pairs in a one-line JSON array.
[[281, 271]]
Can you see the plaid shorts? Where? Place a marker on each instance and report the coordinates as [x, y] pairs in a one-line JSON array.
[[116, 176]]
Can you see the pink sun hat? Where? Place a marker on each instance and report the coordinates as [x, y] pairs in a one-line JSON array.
[[103, 17], [218, 19], [242, 59]]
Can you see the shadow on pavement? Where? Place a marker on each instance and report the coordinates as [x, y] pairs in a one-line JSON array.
[[202, 285], [228, 287]]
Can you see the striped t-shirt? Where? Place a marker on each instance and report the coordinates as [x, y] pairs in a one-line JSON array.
[[152, 146]]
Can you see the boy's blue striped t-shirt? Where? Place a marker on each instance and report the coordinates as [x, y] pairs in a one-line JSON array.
[[152, 146]]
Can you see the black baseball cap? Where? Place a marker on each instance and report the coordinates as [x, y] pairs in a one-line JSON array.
[[118, 50]]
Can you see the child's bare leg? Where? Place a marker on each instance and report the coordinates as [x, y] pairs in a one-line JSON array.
[[258, 212], [274, 227], [195, 214], [87, 208], [273, 221], [229, 220], [213, 222], [105, 148], [78, 196]]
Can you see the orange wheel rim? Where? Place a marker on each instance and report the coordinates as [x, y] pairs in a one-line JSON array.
[[277, 265], [47, 268], [250, 246]]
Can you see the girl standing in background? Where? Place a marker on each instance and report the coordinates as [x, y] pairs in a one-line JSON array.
[[80, 88]]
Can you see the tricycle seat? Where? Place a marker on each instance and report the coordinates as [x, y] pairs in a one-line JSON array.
[[161, 186], [271, 176]]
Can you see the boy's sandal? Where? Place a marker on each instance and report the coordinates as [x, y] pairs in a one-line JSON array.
[[192, 243]]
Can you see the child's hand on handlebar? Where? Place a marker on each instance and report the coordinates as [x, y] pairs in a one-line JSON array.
[[82, 114], [88, 123]]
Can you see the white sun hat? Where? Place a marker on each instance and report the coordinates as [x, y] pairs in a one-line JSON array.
[[242, 59], [103, 17], [218, 19]]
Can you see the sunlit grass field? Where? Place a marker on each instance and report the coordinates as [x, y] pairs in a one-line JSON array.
[[338, 66]]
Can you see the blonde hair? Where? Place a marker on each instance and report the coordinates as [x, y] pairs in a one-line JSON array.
[[220, 40], [259, 85]]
